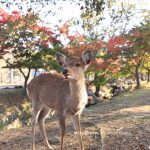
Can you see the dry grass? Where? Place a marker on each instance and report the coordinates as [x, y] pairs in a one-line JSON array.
[[122, 123]]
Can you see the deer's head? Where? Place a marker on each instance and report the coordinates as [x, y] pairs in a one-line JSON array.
[[74, 67]]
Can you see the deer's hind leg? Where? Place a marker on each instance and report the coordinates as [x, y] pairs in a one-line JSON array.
[[41, 119], [36, 112]]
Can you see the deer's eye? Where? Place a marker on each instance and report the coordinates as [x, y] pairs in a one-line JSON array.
[[77, 64]]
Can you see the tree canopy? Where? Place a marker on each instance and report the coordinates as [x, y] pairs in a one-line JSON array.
[[31, 44]]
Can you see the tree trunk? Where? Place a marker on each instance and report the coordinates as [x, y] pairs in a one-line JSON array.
[[25, 82], [96, 85], [97, 91], [26, 77], [35, 73], [137, 76], [148, 76]]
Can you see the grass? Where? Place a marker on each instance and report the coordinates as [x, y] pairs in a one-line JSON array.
[[12, 91], [13, 108], [122, 123]]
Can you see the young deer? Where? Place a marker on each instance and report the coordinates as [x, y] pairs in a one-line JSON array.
[[64, 93]]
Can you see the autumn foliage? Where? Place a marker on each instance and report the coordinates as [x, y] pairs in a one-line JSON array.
[[115, 44], [28, 43], [77, 43], [24, 37], [14, 23]]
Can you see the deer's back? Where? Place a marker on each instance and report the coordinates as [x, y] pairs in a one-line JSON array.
[[52, 90]]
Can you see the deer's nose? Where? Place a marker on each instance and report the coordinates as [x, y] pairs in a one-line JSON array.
[[65, 71]]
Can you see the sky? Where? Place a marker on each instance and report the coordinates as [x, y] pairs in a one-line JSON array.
[[70, 11]]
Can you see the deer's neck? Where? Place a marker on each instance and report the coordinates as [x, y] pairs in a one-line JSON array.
[[78, 97], [78, 90]]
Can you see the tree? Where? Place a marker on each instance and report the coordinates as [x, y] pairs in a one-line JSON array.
[[139, 51], [146, 63], [113, 50], [27, 43], [133, 51], [88, 5]]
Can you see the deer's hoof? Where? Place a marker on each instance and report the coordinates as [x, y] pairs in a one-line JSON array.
[[50, 148]]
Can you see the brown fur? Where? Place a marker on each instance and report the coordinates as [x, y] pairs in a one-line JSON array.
[[67, 96]]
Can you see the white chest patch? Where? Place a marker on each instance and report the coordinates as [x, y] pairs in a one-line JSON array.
[[83, 99]]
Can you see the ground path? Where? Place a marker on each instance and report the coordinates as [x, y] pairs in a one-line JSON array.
[[122, 123]]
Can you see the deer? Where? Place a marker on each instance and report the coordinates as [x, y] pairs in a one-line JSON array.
[[63, 92]]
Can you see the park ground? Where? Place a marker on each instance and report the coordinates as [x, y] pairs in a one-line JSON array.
[[122, 123]]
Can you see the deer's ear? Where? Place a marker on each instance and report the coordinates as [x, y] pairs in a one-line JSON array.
[[87, 57], [61, 58]]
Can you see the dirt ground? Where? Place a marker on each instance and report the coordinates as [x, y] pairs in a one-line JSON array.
[[123, 123]]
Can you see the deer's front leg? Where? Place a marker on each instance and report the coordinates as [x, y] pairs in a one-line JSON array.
[[62, 130], [77, 127]]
